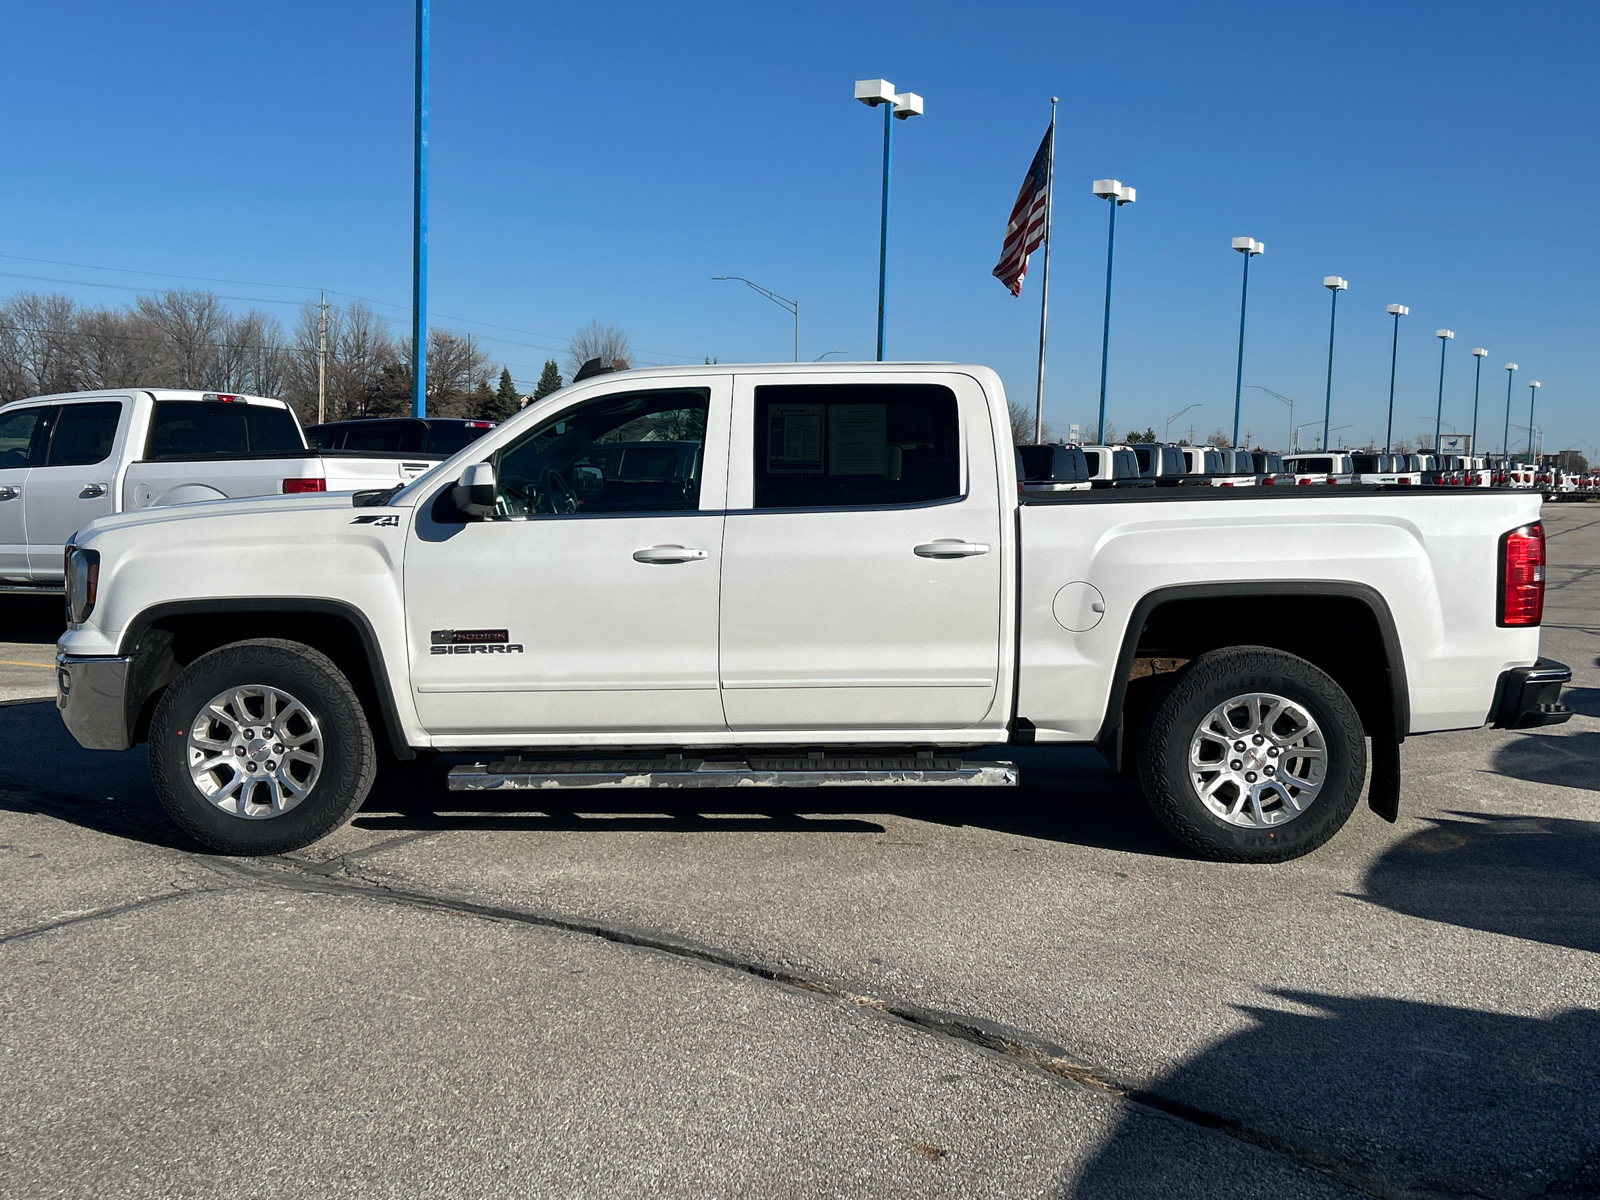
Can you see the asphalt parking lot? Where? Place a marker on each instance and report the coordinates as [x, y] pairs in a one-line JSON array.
[[929, 994]]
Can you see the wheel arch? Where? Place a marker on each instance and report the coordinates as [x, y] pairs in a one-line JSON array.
[[165, 638], [1187, 620]]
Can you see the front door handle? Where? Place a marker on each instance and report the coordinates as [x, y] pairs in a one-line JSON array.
[[668, 554], [9, 493], [92, 491], [950, 548]]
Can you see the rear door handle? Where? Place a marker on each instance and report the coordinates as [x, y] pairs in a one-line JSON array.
[[949, 548], [92, 491], [668, 554], [9, 493]]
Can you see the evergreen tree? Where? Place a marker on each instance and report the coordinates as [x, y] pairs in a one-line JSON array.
[[500, 404], [549, 380]]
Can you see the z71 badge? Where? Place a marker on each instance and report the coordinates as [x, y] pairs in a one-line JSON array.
[[473, 641], [375, 519]]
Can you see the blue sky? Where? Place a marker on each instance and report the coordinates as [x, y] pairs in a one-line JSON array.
[[604, 162]]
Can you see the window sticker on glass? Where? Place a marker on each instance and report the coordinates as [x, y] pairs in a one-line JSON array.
[[858, 439], [794, 438]]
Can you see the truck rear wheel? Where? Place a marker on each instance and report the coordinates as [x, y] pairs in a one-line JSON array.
[[261, 747], [1253, 755]]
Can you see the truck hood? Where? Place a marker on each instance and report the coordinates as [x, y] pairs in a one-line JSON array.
[[191, 515]]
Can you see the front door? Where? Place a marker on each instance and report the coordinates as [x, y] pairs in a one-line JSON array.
[[589, 602], [861, 576], [76, 482], [21, 434]]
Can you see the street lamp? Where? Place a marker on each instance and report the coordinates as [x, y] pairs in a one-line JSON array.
[[1335, 285], [1114, 191], [873, 92], [1532, 392], [1248, 247], [1396, 311], [1166, 430], [1289, 400], [1335, 429], [825, 354], [1295, 440], [789, 305], [1505, 441], [1444, 336], [1479, 353]]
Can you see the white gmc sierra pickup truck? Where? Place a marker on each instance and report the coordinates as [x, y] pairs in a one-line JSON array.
[[798, 575], [67, 459]]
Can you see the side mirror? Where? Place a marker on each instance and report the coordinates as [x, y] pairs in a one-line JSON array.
[[474, 495]]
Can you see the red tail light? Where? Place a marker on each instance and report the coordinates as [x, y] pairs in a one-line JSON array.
[[293, 487], [1405, 480], [1522, 576]]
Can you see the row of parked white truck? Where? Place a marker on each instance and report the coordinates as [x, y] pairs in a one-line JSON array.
[[1066, 467]]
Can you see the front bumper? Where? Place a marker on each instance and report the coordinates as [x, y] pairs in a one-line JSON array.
[[1528, 697], [92, 696]]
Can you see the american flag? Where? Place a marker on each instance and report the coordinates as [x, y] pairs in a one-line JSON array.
[[1025, 230]]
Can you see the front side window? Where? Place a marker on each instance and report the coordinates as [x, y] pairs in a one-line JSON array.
[[852, 445], [17, 431], [84, 434], [214, 429], [628, 453]]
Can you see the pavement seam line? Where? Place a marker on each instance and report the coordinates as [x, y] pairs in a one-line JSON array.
[[101, 914], [1012, 1045]]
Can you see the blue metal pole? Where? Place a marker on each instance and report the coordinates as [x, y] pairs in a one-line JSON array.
[[1238, 379], [1327, 404], [1505, 438], [1477, 384], [419, 227], [883, 230], [1394, 352], [1438, 416], [1105, 337], [1532, 392]]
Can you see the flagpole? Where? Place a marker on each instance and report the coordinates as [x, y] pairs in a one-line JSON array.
[[1044, 282]]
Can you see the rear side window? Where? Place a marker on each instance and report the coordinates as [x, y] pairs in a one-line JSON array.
[[1311, 466], [1053, 464], [17, 432], [383, 437], [447, 439], [856, 445], [324, 437], [84, 434], [211, 429]]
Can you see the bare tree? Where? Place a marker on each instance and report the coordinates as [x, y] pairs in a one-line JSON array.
[[1022, 424], [191, 325], [359, 348], [40, 348], [605, 342], [114, 349]]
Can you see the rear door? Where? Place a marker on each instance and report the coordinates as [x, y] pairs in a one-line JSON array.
[[76, 481], [22, 438], [861, 576]]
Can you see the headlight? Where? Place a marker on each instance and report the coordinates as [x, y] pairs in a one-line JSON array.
[[83, 583]]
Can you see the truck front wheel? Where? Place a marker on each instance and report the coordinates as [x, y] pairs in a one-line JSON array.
[[1254, 755], [261, 747]]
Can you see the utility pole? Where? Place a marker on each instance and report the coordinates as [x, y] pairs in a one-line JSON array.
[[322, 360]]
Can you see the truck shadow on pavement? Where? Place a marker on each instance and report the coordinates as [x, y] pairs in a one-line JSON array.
[[1388, 1096], [1564, 759], [1531, 877]]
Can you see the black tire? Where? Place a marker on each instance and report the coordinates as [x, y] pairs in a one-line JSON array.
[[1212, 680], [348, 756]]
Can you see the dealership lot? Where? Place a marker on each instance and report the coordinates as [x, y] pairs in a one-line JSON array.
[[1039, 994]]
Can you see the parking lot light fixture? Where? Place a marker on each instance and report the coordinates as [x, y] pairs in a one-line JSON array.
[[1479, 353], [1533, 390], [1118, 194], [872, 93], [1248, 247], [1444, 336], [1396, 311], [1505, 440], [1166, 431], [792, 306], [1335, 285]]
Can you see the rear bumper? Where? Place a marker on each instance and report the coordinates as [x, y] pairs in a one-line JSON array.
[[1528, 697], [92, 696]]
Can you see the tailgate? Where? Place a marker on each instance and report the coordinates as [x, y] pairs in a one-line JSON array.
[[188, 481]]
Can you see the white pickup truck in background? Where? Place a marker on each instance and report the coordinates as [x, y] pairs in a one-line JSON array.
[[67, 459], [793, 576]]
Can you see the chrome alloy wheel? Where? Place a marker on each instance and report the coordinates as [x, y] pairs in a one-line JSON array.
[[255, 751], [1258, 760]]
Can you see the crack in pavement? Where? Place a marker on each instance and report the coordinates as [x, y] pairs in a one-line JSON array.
[[1015, 1046], [101, 914]]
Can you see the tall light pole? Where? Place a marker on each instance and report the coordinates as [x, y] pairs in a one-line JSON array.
[[873, 92], [1289, 400], [1112, 190], [1444, 336], [1335, 285], [1505, 441], [1396, 311], [1248, 247], [788, 305], [1479, 353], [419, 225], [1166, 430], [1533, 390]]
